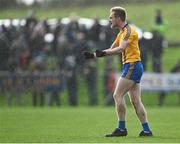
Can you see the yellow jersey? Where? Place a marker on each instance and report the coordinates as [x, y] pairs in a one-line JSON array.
[[132, 52]]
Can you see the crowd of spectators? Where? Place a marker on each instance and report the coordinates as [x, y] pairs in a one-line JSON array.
[[38, 46]]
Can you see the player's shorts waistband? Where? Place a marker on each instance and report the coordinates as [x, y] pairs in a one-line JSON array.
[[132, 62]]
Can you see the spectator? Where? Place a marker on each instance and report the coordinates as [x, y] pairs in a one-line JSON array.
[[159, 30], [157, 52], [38, 97], [90, 72], [67, 63], [38, 64], [4, 49], [95, 33], [109, 81], [56, 33], [87, 68], [160, 23], [31, 22], [158, 41], [54, 89]]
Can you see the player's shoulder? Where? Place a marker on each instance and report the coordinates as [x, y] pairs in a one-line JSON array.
[[131, 32], [133, 28]]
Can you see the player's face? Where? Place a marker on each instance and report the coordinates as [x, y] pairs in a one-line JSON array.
[[113, 20]]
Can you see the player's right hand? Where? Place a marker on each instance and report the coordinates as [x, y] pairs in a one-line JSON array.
[[88, 55], [100, 53]]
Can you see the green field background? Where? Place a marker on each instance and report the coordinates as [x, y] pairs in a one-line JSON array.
[[141, 14], [84, 125]]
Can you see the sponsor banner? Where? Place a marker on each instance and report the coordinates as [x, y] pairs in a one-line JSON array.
[[50, 81], [160, 81]]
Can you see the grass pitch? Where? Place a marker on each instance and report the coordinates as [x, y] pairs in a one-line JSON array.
[[84, 124], [142, 14]]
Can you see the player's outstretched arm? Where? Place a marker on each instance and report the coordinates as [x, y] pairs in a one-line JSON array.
[[118, 49], [107, 52]]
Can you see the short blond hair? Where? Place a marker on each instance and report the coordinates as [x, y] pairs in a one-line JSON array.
[[119, 12]]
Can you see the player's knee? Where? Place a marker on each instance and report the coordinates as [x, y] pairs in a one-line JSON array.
[[115, 96], [118, 99]]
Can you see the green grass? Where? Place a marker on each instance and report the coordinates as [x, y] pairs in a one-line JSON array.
[[84, 124], [141, 14]]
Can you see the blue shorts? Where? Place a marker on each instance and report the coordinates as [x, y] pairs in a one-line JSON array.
[[133, 71]]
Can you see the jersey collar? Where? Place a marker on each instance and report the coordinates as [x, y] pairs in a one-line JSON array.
[[124, 26]]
